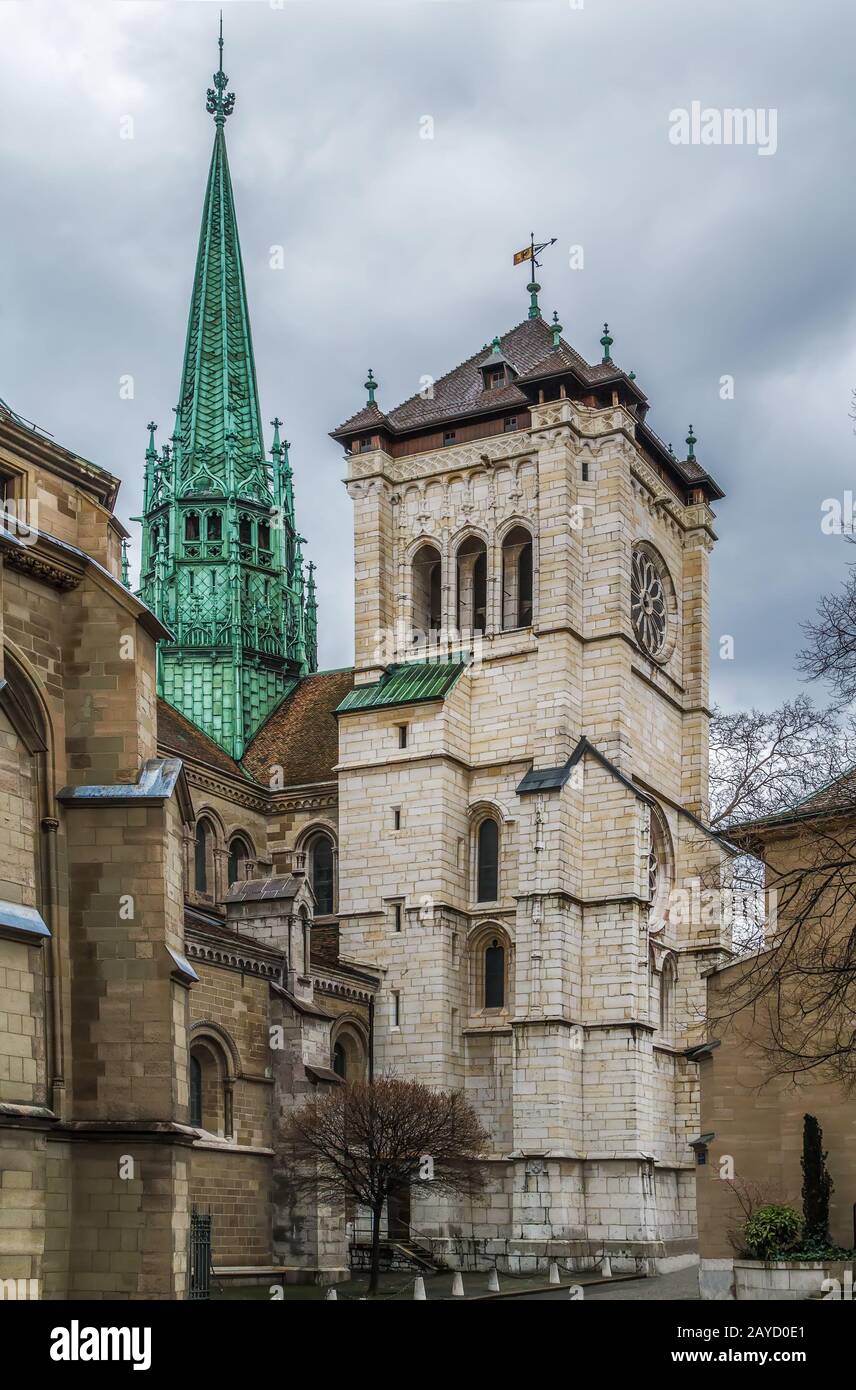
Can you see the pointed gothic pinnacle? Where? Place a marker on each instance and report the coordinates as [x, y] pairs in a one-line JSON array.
[[126, 571], [219, 103], [606, 343], [691, 443], [151, 451], [556, 330], [276, 447], [371, 386]]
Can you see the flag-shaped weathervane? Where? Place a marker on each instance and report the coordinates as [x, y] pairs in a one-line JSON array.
[[531, 253]]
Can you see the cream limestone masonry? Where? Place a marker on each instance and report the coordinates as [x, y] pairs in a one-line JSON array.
[[589, 1103]]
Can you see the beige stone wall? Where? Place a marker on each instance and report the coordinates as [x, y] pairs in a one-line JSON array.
[[569, 1067], [236, 1188]]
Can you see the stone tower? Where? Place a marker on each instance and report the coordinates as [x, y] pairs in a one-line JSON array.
[[522, 789], [221, 558]]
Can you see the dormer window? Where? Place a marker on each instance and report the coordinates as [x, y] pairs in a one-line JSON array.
[[495, 377]]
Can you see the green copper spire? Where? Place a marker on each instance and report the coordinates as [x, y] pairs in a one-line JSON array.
[[371, 387], [221, 564]]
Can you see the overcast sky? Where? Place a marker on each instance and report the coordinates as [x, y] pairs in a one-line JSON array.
[[707, 260]]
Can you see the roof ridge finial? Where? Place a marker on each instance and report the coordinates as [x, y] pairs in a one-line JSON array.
[[606, 343], [219, 103], [371, 386], [691, 443], [556, 330]]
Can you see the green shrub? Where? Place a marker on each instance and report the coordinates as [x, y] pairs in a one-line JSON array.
[[772, 1232]]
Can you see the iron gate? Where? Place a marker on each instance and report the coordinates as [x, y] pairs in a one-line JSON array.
[[199, 1273]]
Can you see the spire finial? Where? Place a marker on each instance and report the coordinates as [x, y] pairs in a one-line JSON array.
[[151, 451], [531, 253], [691, 443], [556, 331], [276, 446], [220, 103], [606, 343], [126, 569], [371, 387]]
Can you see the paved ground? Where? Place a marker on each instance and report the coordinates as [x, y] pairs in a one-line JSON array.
[[399, 1287], [680, 1287]]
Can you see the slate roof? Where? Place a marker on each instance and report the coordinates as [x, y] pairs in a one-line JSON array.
[[529, 350], [179, 735], [410, 683], [301, 736]]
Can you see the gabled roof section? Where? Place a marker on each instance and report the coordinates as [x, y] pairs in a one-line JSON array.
[[181, 736], [301, 736], [412, 682]]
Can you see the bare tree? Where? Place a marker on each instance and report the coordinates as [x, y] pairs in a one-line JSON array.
[[363, 1140], [764, 761], [830, 651]]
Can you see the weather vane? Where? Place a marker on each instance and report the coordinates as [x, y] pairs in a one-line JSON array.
[[531, 253], [219, 102]]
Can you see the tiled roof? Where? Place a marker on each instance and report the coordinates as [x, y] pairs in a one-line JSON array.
[[180, 736], [301, 736], [529, 349], [407, 684]]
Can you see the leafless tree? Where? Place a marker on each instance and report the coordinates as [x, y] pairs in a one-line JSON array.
[[364, 1140]]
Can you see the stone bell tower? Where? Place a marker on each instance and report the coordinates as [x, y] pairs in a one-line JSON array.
[[521, 791]]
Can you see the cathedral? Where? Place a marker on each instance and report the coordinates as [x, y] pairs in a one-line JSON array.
[[230, 881]]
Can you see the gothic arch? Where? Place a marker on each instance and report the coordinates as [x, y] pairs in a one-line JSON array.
[[349, 1048], [322, 870], [490, 957]]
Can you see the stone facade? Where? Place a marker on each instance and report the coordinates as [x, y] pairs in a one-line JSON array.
[[580, 1081]]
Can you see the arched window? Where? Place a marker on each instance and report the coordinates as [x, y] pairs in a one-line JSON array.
[[517, 579], [214, 526], [487, 861], [210, 1088], [349, 1054], [472, 585], [195, 1091], [427, 592], [191, 526], [667, 995], [494, 975], [201, 855], [264, 536], [245, 529], [321, 874], [239, 855]]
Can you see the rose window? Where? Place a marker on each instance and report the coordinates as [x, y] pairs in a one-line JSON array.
[[647, 604]]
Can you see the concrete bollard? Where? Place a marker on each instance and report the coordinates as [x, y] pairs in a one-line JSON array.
[[331, 1293], [493, 1282], [458, 1286], [419, 1288], [606, 1267], [554, 1273]]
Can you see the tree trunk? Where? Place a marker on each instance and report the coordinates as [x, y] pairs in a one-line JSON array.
[[374, 1274]]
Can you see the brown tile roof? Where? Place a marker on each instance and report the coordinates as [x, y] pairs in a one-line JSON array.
[[529, 350], [302, 736], [180, 736]]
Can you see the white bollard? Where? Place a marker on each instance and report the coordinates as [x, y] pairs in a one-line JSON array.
[[493, 1282], [331, 1293], [606, 1267], [554, 1273], [419, 1288], [458, 1286]]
